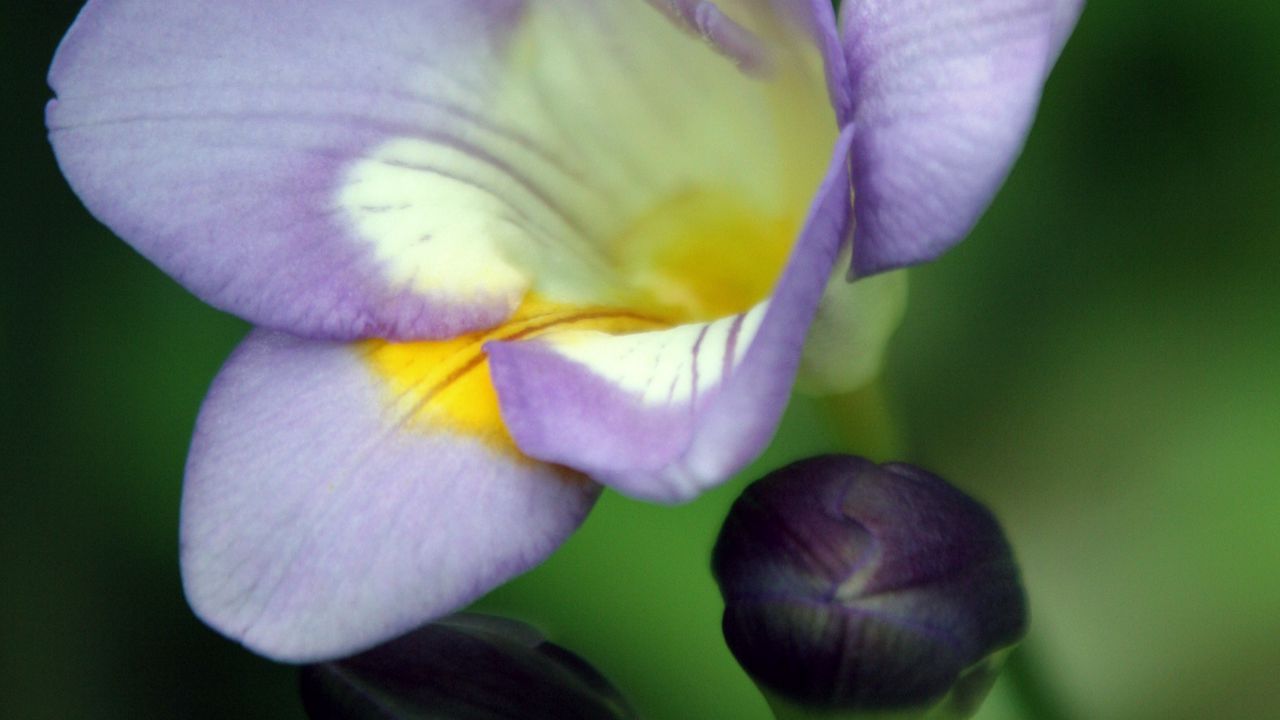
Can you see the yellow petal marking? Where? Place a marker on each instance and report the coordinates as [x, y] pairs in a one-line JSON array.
[[445, 384], [704, 255]]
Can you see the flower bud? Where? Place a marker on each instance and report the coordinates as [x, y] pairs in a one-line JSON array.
[[861, 587], [464, 667]]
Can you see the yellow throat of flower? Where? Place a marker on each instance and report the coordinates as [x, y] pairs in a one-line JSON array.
[[445, 383], [703, 255]]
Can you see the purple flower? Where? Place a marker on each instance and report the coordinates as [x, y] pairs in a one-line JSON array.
[[498, 247]]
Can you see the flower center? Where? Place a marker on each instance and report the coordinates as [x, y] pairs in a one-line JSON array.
[[445, 383], [702, 255]]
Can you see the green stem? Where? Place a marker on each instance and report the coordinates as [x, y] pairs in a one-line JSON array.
[[864, 422]]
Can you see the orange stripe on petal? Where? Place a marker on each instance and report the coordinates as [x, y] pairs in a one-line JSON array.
[[445, 384]]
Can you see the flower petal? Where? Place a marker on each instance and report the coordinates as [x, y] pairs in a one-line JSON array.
[[945, 93], [211, 136], [319, 517], [818, 17], [1065, 15], [410, 170], [725, 33], [665, 414], [721, 23]]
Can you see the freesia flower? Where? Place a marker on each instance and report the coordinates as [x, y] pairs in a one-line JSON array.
[[502, 252]]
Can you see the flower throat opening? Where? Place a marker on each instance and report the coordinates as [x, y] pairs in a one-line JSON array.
[[702, 255]]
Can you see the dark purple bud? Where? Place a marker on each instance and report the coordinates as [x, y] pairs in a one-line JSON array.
[[855, 586], [464, 667]]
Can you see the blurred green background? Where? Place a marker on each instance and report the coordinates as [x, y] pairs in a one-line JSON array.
[[1100, 362]]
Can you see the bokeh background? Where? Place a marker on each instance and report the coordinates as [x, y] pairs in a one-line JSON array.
[[1100, 362]]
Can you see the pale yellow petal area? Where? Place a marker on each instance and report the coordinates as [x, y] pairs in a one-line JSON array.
[[612, 169], [665, 132], [604, 158]]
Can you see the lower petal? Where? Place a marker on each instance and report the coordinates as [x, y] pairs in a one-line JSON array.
[[666, 414], [621, 408], [320, 519]]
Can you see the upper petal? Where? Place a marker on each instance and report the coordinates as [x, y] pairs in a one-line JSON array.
[[321, 515], [665, 414], [411, 169], [212, 136], [944, 94]]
